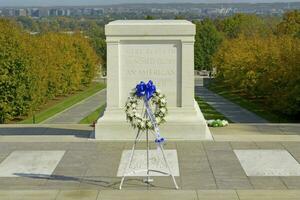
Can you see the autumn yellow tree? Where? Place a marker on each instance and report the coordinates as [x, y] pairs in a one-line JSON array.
[[34, 69], [263, 67]]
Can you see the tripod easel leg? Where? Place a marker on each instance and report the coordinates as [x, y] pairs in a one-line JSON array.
[[130, 159], [167, 164], [148, 179]]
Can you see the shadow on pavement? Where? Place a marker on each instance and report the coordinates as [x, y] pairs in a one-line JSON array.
[[44, 131], [106, 182]]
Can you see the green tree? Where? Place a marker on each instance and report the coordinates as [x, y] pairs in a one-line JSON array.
[[13, 66], [207, 42], [263, 68], [28, 23], [245, 24], [179, 17], [34, 69], [290, 24], [149, 17]]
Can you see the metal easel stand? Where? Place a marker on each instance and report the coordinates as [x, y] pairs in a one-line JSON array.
[[148, 179]]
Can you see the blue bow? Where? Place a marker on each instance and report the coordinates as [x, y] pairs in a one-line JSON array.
[[144, 89], [160, 140]]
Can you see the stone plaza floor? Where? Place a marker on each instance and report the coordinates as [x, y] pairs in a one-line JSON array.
[[82, 168]]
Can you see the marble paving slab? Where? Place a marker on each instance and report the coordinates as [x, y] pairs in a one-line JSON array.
[[268, 163], [30, 163], [156, 162]]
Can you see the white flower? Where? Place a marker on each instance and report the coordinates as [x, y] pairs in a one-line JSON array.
[[209, 122], [137, 115], [224, 123], [142, 124], [163, 110], [149, 124], [158, 120], [163, 100], [130, 114], [133, 105]]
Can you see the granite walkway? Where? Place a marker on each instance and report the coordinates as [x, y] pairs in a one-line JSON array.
[[80, 110], [209, 170], [150, 195], [229, 109], [93, 165]]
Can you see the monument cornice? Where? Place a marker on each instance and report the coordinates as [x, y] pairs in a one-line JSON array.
[[150, 28], [117, 39]]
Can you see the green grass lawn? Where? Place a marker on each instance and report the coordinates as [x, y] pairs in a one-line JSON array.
[[209, 112], [64, 104], [93, 116], [251, 105]]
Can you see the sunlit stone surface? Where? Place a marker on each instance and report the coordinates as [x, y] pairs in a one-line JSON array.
[[268, 163], [30, 163]]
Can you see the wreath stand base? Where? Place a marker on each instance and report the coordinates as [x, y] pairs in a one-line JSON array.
[[148, 114]]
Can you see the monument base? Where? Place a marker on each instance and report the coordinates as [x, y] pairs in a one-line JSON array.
[[182, 124]]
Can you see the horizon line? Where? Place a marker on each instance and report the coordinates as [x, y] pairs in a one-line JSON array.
[[158, 3]]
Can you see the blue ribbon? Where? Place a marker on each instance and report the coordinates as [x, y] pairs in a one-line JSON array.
[[160, 140], [143, 89]]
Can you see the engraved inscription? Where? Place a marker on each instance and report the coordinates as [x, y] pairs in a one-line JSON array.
[[143, 62]]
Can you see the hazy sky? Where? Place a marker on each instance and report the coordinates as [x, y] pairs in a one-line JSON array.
[[103, 2]]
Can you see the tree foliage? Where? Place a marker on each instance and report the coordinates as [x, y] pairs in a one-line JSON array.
[[290, 24], [266, 68], [207, 42], [92, 28], [259, 59], [245, 24], [34, 69]]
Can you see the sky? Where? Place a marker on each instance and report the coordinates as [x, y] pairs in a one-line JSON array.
[[106, 2]]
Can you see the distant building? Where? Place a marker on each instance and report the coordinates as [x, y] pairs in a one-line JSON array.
[[8, 12], [166, 11], [97, 11], [53, 12], [67, 12], [87, 11], [20, 12], [60, 12]]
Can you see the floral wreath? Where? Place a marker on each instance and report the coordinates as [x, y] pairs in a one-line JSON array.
[[155, 98]]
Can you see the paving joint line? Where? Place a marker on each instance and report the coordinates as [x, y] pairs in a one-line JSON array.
[[248, 178], [210, 167]]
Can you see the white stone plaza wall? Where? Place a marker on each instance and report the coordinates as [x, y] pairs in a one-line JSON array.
[[157, 50]]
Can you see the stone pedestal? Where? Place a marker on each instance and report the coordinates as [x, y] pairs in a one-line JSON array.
[[157, 50]]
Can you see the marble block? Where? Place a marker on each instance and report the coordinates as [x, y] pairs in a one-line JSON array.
[[156, 162], [157, 50], [30, 163], [268, 163]]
